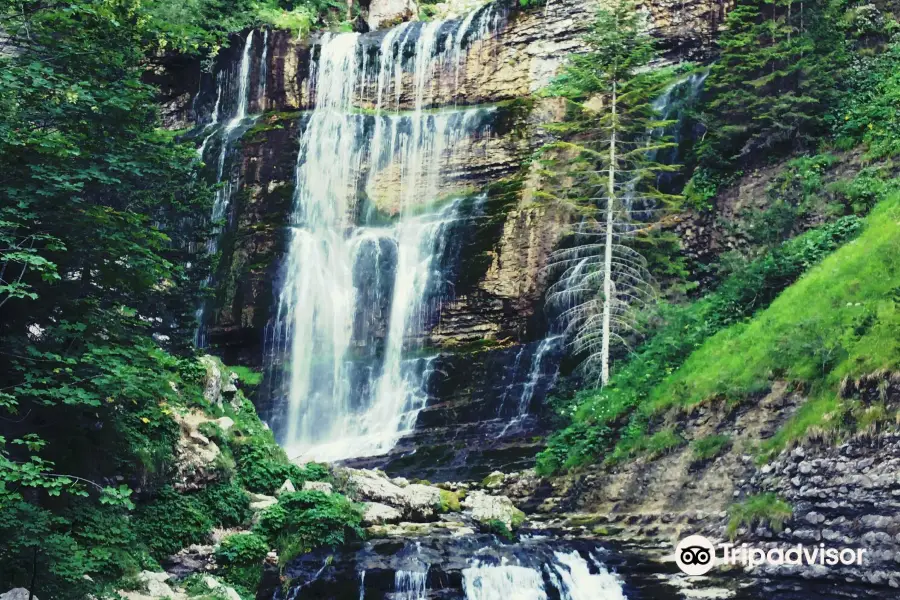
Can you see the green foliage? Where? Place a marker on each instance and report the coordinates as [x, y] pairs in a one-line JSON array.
[[303, 521], [171, 521], [867, 111], [776, 75], [240, 559], [599, 419], [449, 502], [227, 504], [765, 509], [246, 375], [838, 321], [262, 465]]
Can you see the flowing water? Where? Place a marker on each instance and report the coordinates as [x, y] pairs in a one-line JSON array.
[[228, 136], [368, 231]]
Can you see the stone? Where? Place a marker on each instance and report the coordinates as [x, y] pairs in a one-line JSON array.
[[286, 487], [494, 480], [153, 585], [220, 588], [225, 423], [376, 513], [260, 502], [416, 502], [484, 508], [212, 387], [16, 594], [386, 13], [318, 486]]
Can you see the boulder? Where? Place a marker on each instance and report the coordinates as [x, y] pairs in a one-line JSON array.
[[260, 502], [387, 13], [196, 455], [16, 594], [153, 585], [286, 487], [220, 588], [212, 387], [416, 502], [318, 486], [225, 423], [484, 508], [376, 513]]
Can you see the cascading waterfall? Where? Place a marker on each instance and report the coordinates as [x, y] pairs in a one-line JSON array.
[[410, 585], [571, 575], [366, 239], [568, 572], [513, 582], [227, 134]]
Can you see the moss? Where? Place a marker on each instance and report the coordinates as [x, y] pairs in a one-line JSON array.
[[492, 480], [449, 501]]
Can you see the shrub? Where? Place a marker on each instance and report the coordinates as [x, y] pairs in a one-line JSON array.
[[764, 509], [171, 521], [240, 559], [227, 504], [262, 466], [303, 521]]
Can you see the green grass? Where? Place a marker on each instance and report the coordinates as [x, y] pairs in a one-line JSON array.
[[246, 375], [709, 447], [764, 509], [613, 422], [839, 321]]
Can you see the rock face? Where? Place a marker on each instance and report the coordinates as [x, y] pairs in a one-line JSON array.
[[386, 13], [489, 376], [845, 496]]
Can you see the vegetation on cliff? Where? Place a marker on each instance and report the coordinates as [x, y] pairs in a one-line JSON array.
[[98, 287], [765, 102]]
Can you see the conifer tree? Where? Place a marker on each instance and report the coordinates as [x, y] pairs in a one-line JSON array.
[[603, 168], [774, 80]]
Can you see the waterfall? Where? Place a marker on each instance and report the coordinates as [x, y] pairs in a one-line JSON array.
[[410, 585], [568, 572], [227, 186], [512, 582], [534, 377], [571, 575], [366, 237]]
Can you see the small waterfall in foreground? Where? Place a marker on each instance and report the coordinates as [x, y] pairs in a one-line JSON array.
[[510, 582], [366, 238], [569, 573]]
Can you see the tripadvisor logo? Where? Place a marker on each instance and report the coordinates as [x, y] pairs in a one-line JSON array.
[[696, 555]]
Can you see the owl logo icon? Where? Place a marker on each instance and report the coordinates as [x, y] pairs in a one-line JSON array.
[[695, 555]]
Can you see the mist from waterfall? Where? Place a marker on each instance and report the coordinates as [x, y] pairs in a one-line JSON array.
[[367, 234]]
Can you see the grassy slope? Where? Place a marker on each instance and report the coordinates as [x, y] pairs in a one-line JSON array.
[[840, 320]]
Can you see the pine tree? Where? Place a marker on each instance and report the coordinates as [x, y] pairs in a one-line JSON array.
[[603, 168], [773, 81]]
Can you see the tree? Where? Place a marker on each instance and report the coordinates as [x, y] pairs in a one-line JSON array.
[[604, 169], [96, 307], [774, 81]]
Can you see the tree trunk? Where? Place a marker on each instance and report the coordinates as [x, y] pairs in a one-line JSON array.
[[607, 259]]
